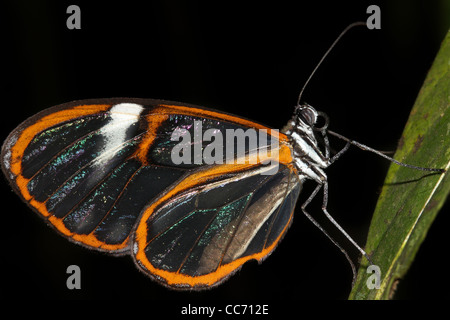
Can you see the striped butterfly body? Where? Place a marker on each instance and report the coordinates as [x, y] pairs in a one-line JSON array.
[[101, 172]]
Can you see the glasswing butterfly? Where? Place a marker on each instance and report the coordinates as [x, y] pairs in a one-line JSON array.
[[101, 173]]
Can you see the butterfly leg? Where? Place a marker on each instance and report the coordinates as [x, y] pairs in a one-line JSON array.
[[327, 148], [324, 209], [308, 201]]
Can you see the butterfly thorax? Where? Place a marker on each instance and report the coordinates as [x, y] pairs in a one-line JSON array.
[[307, 156]]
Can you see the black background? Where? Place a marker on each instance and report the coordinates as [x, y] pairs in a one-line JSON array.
[[246, 58]]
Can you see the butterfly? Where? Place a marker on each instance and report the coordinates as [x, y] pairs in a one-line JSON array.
[[165, 183], [100, 172]]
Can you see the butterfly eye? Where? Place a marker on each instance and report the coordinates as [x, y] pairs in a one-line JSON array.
[[308, 116]]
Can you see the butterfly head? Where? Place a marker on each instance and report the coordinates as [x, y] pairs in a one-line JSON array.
[[307, 116], [305, 122]]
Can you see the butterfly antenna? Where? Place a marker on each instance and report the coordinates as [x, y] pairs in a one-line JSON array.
[[355, 24]]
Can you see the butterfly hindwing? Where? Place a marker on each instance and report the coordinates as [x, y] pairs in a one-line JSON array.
[[202, 235]]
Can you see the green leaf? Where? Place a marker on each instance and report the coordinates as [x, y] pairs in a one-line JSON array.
[[410, 199]]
